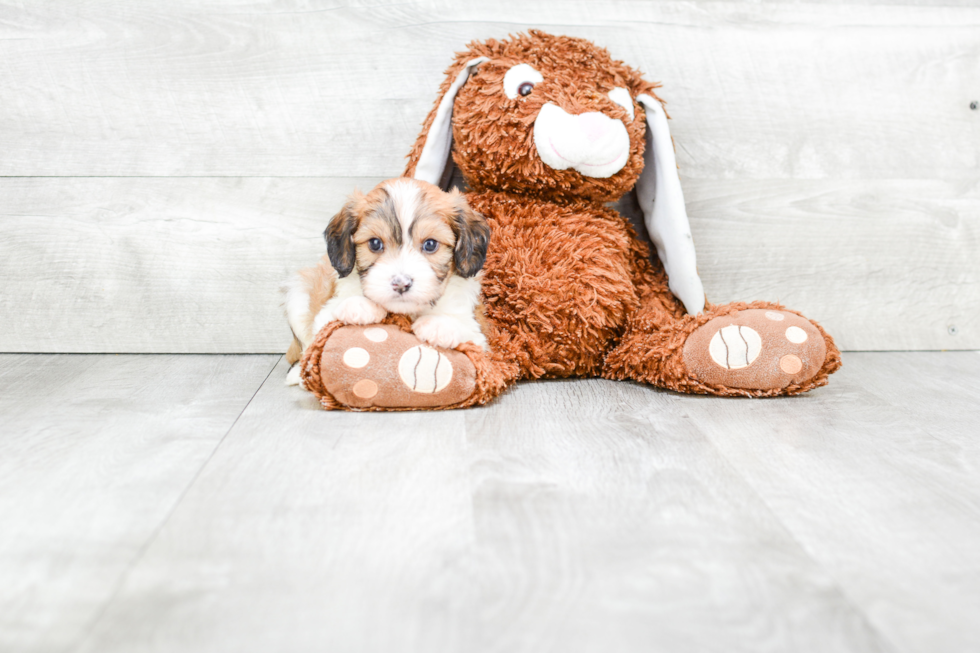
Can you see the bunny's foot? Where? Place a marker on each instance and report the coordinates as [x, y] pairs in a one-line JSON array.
[[383, 367]]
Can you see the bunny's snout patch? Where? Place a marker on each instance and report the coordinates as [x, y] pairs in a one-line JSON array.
[[591, 143]]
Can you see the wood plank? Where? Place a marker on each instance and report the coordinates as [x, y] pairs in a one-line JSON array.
[[607, 521], [877, 478], [568, 516], [883, 265], [290, 87], [156, 265], [194, 265], [309, 531], [95, 452]]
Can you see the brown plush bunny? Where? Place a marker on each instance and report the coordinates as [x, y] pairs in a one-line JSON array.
[[545, 131]]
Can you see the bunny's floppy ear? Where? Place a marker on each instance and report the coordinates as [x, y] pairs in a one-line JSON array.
[[439, 139], [660, 196]]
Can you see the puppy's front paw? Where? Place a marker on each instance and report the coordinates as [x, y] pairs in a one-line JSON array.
[[359, 310], [293, 376], [441, 331]]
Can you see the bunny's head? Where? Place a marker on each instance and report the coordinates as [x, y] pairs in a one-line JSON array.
[[557, 118], [548, 116]]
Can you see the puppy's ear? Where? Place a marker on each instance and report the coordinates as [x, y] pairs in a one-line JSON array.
[[472, 239], [339, 235]]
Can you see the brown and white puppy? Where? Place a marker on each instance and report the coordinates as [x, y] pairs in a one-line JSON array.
[[406, 247]]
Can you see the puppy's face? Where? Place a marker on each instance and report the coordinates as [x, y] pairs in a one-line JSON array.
[[405, 239]]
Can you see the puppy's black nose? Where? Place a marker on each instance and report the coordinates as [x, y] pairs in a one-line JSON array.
[[401, 284]]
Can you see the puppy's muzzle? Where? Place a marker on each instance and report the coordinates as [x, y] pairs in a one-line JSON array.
[[400, 284]]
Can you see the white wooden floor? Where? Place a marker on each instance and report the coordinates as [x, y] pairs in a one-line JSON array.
[[194, 503]]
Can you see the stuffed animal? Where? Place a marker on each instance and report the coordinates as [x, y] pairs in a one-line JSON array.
[[546, 131]]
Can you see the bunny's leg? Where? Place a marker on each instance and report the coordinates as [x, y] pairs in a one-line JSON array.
[[756, 349]]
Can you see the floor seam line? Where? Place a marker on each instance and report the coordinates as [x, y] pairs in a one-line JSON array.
[[163, 522]]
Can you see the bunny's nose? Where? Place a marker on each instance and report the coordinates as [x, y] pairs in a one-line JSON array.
[[592, 143], [594, 125], [401, 284]]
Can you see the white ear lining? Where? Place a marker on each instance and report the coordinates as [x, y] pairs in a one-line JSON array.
[[662, 201], [621, 96], [438, 142]]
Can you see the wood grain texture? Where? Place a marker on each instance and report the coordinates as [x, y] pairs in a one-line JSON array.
[[353, 534], [194, 265], [572, 516], [883, 264], [567, 516], [95, 451], [296, 87], [605, 520], [877, 478]]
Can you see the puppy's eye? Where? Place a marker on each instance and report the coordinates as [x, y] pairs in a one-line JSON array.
[[520, 80], [430, 246], [375, 245]]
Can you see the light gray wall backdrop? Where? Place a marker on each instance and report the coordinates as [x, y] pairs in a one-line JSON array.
[[164, 164]]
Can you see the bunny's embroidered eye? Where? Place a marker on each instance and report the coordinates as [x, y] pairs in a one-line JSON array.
[[375, 245], [520, 80]]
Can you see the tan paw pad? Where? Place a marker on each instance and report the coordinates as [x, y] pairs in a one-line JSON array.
[[755, 349], [383, 366]]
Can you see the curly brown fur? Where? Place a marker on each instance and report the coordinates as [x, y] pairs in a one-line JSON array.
[[559, 280]]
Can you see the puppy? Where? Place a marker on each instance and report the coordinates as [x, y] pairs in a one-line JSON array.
[[405, 247]]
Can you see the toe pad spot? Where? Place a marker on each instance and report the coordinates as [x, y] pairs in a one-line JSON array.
[[790, 364], [376, 334], [356, 357], [796, 335], [365, 388]]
